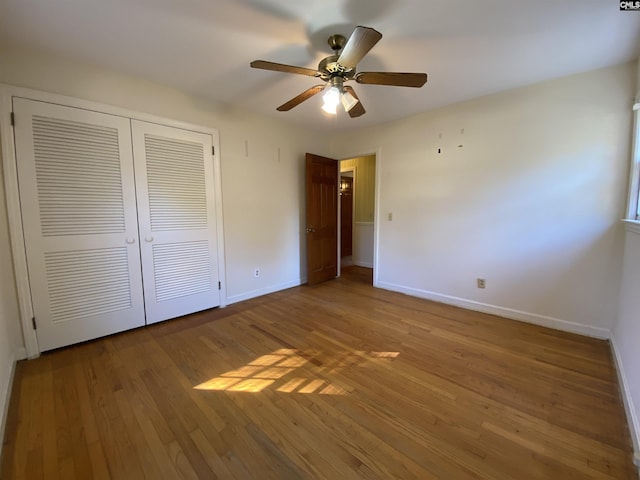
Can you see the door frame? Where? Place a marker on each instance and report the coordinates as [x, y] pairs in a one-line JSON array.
[[353, 170], [364, 152], [14, 214]]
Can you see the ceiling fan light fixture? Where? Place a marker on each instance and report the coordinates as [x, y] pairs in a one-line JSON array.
[[331, 99], [329, 108], [348, 100]]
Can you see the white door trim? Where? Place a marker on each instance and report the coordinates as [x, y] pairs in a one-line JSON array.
[[14, 214], [9, 166]]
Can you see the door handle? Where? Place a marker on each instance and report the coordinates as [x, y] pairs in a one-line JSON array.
[[148, 238], [311, 230], [130, 240]]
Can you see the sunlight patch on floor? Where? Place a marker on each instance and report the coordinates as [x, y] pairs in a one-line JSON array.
[[281, 371]]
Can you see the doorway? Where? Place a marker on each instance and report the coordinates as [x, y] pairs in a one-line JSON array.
[[357, 212], [347, 200]]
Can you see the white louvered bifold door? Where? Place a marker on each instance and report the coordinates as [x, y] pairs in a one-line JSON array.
[[76, 180], [176, 216]]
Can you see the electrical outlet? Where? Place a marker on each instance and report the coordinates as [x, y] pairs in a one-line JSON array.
[[256, 273], [481, 283], [390, 216]]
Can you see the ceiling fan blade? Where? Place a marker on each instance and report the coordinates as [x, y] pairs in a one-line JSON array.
[[281, 67], [295, 101], [392, 78], [357, 109], [360, 42]]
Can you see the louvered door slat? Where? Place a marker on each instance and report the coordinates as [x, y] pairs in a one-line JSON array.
[[76, 292], [75, 172], [176, 183], [78, 177], [181, 269], [176, 211]]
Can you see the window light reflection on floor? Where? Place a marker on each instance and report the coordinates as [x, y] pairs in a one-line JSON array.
[[281, 372]]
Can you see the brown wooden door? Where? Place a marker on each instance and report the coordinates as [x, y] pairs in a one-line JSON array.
[[322, 218], [346, 216]]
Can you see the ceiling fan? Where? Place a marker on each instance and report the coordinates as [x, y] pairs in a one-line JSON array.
[[339, 68]]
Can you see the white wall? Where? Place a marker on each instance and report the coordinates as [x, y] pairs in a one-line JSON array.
[[363, 233], [625, 337], [527, 193]]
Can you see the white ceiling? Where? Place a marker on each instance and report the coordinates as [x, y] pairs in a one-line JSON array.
[[469, 48]]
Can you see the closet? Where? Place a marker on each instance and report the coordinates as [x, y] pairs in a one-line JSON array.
[[119, 220]]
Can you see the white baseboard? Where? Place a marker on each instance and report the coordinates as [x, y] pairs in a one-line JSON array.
[[346, 261], [5, 396], [263, 291], [536, 319], [363, 264], [627, 400]]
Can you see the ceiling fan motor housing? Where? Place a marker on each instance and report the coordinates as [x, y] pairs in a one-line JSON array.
[[329, 67]]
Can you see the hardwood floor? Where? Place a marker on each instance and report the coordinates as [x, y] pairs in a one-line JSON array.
[[336, 381]]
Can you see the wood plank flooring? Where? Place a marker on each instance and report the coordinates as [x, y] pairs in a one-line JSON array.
[[336, 381]]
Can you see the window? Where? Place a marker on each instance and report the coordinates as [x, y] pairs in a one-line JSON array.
[[633, 209]]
